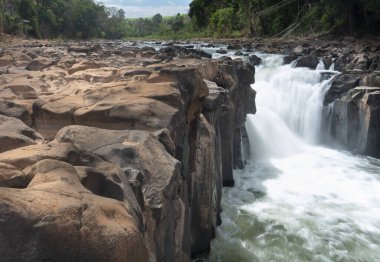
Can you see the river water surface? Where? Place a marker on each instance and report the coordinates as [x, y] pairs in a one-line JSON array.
[[297, 200]]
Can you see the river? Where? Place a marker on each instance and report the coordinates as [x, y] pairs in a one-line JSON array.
[[297, 200]]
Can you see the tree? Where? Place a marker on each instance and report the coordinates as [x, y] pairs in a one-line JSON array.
[[28, 11], [157, 19], [177, 23]]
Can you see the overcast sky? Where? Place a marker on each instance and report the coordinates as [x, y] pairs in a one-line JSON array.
[[148, 8]]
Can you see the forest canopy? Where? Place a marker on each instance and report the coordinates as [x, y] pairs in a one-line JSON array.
[[85, 19]]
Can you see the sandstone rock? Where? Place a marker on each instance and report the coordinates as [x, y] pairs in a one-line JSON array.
[[236, 79], [355, 120], [155, 177], [342, 61], [163, 136], [192, 88], [206, 188], [103, 75], [164, 209], [12, 177], [17, 91], [6, 60], [84, 49], [84, 65], [371, 80], [14, 133], [360, 63], [53, 114], [12, 109], [55, 217], [40, 63]]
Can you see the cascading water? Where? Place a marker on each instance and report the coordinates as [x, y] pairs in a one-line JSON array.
[[297, 201]]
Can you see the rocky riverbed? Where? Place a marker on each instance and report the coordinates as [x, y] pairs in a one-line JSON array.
[[112, 152], [352, 113]]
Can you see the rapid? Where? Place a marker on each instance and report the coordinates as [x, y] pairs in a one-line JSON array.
[[296, 199]]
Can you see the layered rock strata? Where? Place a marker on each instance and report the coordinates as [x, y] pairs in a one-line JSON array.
[[111, 152]]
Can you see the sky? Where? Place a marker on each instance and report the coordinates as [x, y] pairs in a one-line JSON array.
[[148, 8]]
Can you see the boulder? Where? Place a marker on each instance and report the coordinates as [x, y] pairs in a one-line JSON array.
[[84, 65], [14, 133], [340, 85], [310, 61], [221, 51], [164, 206], [40, 63], [254, 60], [13, 109], [355, 119], [6, 60], [17, 91], [12, 177], [55, 217]]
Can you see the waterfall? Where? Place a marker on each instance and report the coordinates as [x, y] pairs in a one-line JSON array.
[[297, 200]]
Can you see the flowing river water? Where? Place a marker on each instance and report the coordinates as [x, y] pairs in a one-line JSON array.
[[297, 200]]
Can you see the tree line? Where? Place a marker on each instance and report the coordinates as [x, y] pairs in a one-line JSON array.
[[276, 17], [81, 19], [85, 19]]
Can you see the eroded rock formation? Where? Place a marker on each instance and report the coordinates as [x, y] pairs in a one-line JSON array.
[[111, 152]]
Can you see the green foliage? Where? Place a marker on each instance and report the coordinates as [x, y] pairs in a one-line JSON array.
[[222, 21], [222, 18], [271, 17]]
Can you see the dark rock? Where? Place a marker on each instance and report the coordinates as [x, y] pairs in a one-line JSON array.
[[310, 61], [221, 51], [355, 120], [12, 109], [340, 85], [254, 60], [290, 58], [41, 63]]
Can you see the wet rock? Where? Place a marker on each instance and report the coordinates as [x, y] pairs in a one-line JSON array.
[[340, 85], [290, 58], [309, 61], [254, 60], [355, 120]]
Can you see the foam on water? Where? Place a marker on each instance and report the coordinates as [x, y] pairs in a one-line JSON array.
[[297, 201]]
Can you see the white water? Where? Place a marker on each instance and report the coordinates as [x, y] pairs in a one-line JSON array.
[[297, 201]]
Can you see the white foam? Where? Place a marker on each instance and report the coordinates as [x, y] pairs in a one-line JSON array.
[[297, 201]]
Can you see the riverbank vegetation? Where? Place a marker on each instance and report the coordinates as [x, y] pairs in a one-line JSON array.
[[84, 19]]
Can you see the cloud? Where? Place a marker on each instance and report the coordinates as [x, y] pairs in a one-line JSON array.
[[148, 8], [147, 11]]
